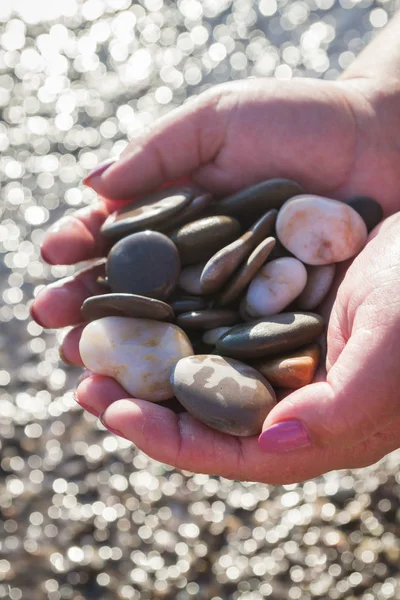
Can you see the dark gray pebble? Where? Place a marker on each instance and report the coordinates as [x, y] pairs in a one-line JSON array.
[[145, 263], [199, 240], [188, 304], [271, 336], [208, 319], [368, 208]]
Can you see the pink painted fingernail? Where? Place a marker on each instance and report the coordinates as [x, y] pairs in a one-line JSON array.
[[284, 437], [110, 429], [99, 170]]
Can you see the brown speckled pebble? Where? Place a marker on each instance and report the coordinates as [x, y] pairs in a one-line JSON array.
[[223, 264], [248, 204], [225, 394], [271, 336], [145, 263], [246, 273], [126, 305], [293, 370], [208, 319], [199, 240], [152, 210]]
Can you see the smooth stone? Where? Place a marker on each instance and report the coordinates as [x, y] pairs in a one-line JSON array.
[[223, 264], [147, 213], [320, 231], [189, 279], [145, 263], [250, 203], [211, 336], [318, 284], [102, 282], [199, 240], [225, 394], [369, 210], [275, 286], [293, 370], [126, 305], [208, 319], [195, 209], [271, 336], [188, 304], [246, 272], [138, 353]]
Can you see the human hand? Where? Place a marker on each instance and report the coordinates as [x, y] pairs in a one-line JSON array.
[[270, 129]]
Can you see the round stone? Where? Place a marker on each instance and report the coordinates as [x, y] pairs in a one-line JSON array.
[[246, 272], [189, 279], [188, 304], [145, 263], [138, 353], [320, 231], [199, 240], [126, 305], [224, 263], [250, 203], [369, 210], [271, 336], [319, 281], [208, 319], [275, 286], [211, 336], [225, 394], [293, 370], [146, 212]]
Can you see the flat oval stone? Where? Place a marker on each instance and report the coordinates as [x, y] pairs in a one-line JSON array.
[[208, 319], [320, 231], [369, 210], [145, 263], [225, 394], [195, 209], [189, 279], [293, 370], [152, 210], [250, 203], [271, 336], [138, 353], [199, 240], [188, 304], [246, 272], [211, 336], [126, 305], [318, 284], [275, 286], [224, 263]]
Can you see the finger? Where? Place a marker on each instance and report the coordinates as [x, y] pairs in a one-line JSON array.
[[98, 392], [58, 305], [357, 400], [76, 237], [69, 348], [185, 443], [178, 145]]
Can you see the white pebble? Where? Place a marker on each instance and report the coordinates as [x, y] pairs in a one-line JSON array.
[[320, 231], [138, 353], [275, 286]]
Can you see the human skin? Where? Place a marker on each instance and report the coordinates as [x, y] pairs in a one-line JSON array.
[[337, 139]]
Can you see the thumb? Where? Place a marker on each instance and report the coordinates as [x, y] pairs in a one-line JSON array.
[[358, 399], [178, 145]]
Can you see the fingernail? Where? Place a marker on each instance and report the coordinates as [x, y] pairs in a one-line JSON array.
[[110, 429], [284, 437], [99, 170], [64, 358]]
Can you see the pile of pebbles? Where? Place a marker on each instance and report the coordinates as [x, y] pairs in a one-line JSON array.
[[210, 301]]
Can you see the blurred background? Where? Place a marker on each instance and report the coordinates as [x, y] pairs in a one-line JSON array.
[[83, 515]]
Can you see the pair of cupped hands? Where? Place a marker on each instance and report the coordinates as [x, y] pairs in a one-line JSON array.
[[328, 137]]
